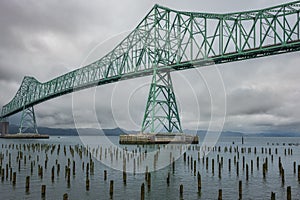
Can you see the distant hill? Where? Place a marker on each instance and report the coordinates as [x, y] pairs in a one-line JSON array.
[[72, 132], [118, 131]]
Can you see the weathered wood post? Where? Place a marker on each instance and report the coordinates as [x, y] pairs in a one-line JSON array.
[[143, 192], [240, 190], [43, 192], [87, 184], [272, 195], [237, 168], [27, 186], [289, 193], [65, 196], [195, 167], [52, 174], [199, 182], [181, 190], [74, 170], [14, 178], [220, 170], [111, 188], [220, 194], [299, 173], [247, 172], [149, 180], [213, 166]]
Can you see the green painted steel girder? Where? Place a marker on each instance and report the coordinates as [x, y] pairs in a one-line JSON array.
[[175, 40], [161, 115]]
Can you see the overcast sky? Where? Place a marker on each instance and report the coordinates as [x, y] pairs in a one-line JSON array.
[[46, 39]]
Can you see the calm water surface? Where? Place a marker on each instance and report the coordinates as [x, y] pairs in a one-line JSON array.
[[255, 188]]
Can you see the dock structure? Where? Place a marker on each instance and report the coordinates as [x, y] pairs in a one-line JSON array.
[[160, 138], [24, 136]]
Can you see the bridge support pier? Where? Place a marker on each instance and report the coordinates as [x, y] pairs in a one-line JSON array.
[[28, 121], [4, 125], [161, 114]]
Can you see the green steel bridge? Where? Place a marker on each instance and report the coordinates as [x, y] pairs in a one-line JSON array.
[[167, 40]]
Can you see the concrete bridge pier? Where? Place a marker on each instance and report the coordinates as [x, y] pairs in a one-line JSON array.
[[4, 128]]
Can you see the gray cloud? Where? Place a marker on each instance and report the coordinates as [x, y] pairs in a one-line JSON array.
[[45, 39]]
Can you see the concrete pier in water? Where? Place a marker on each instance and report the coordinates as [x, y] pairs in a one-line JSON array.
[[160, 138]]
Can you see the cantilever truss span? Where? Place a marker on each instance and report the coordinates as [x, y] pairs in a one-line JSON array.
[[167, 39]]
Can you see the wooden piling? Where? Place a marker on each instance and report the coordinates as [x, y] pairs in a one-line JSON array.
[[124, 177], [111, 188], [43, 192], [195, 167], [74, 165], [282, 176], [31, 167], [68, 176], [2, 175], [65, 196], [247, 172], [14, 181], [220, 195], [181, 190], [27, 186], [299, 173], [52, 174], [199, 181], [264, 170], [213, 166], [272, 195], [220, 170], [168, 179], [240, 190], [6, 172], [146, 173], [143, 191], [289, 193], [19, 166], [87, 184], [149, 180]]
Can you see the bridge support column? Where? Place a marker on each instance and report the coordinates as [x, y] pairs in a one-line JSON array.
[[28, 121], [4, 125], [161, 115]]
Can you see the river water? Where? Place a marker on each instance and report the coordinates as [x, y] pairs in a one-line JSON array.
[[256, 187]]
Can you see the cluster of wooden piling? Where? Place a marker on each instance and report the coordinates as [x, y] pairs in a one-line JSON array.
[[137, 157]]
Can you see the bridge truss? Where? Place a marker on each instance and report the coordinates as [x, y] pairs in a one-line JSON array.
[[167, 40]]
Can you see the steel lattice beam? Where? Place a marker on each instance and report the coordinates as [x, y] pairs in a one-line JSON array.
[[161, 115], [175, 40]]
